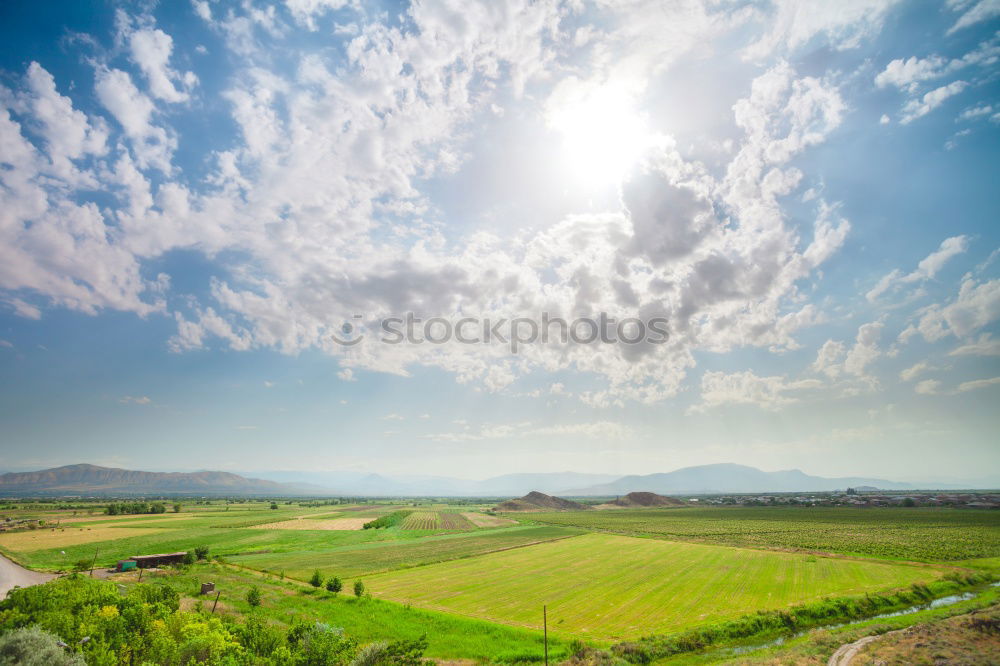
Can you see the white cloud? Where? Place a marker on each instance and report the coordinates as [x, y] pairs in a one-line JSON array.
[[746, 388], [135, 400], [980, 10], [926, 269], [600, 430], [985, 345], [977, 384], [844, 24], [150, 50], [133, 110], [914, 371], [928, 387], [917, 108], [977, 304]]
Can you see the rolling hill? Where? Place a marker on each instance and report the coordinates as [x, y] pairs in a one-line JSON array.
[[643, 499], [536, 501]]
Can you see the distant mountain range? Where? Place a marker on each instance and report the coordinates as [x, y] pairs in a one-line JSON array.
[[94, 480], [721, 478], [731, 478]]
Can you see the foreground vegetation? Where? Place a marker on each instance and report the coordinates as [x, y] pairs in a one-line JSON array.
[[144, 625]]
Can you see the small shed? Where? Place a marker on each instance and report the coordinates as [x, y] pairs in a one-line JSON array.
[[126, 565], [207, 588], [147, 561]]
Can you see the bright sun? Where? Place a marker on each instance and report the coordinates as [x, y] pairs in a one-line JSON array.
[[603, 134]]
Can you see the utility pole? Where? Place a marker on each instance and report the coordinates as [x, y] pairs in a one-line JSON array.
[[545, 630]]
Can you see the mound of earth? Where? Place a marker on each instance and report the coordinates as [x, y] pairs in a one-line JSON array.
[[641, 499], [536, 501]]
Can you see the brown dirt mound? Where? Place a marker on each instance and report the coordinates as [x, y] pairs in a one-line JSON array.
[[647, 499], [536, 501]]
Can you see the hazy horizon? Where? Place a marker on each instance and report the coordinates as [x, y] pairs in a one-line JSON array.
[[213, 215]]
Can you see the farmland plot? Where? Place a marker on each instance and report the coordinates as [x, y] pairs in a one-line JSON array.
[[612, 587], [915, 534]]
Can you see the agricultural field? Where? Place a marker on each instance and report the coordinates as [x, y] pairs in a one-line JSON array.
[[442, 569], [362, 559], [929, 535], [610, 587]]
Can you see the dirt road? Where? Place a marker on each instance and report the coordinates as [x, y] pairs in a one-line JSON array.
[[845, 654], [13, 574]]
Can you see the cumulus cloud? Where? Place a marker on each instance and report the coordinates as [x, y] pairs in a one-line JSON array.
[[746, 388], [926, 269], [917, 108], [151, 50], [976, 305], [135, 400], [330, 160], [985, 345]]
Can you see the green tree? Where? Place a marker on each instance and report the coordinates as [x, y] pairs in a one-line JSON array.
[[177, 508], [253, 596], [274, 505], [334, 585], [201, 552], [359, 588], [189, 558], [317, 579]]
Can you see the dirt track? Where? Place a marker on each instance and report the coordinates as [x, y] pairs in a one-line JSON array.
[[845, 654], [13, 574]]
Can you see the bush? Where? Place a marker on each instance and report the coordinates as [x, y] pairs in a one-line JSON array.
[[274, 505], [189, 558], [33, 646], [317, 579], [334, 585], [253, 596], [359, 588], [201, 552], [81, 565]]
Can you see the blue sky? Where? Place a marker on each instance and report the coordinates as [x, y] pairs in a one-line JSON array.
[[195, 197]]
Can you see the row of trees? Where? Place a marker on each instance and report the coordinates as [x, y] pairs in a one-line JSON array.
[[127, 508], [335, 585]]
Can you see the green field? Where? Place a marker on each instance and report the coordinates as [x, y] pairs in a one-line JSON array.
[[610, 587], [929, 535], [357, 560]]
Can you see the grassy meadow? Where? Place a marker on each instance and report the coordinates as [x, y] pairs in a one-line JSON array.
[[929, 535], [610, 587]]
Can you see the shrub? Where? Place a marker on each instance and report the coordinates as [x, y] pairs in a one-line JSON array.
[[253, 596], [189, 558], [334, 585], [201, 552], [359, 588], [81, 565], [274, 505], [33, 646], [317, 579]]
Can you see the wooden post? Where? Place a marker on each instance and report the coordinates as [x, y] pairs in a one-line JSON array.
[[94, 562], [140, 574], [216, 601], [545, 629]]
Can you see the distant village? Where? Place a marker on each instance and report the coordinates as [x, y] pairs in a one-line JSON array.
[[861, 496]]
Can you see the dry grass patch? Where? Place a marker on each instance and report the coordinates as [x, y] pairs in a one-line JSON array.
[[335, 524], [70, 536], [483, 520]]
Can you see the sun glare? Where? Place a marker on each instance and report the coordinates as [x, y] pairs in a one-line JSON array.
[[602, 133]]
